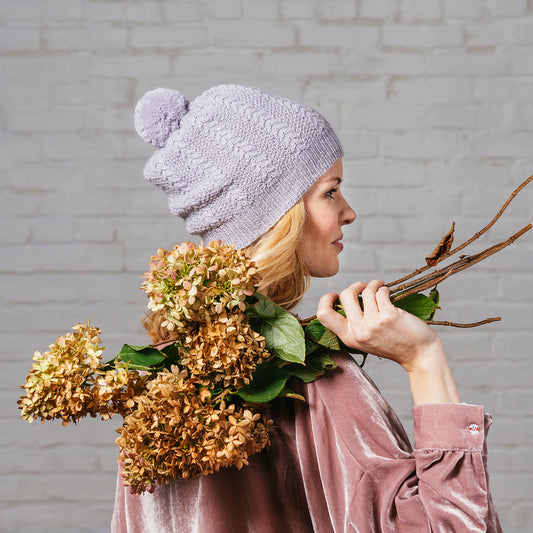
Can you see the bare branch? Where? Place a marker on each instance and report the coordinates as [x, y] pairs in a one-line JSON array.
[[457, 325], [469, 241]]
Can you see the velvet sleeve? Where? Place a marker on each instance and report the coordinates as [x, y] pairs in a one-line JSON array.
[[361, 475]]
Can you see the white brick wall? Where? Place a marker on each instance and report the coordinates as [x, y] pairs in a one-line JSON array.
[[433, 100]]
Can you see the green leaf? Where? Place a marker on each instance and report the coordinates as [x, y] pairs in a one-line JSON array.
[[283, 332], [287, 392], [263, 308], [267, 383], [322, 335], [435, 296], [417, 304], [314, 367], [143, 356], [171, 354]]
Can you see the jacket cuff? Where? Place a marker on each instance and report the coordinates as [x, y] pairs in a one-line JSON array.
[[450, 426]]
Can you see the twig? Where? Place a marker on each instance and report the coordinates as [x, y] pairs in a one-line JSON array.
[[436, 277], [457, 325], [469, 241]]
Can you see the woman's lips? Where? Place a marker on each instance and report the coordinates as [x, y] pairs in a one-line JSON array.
[[339, 245]]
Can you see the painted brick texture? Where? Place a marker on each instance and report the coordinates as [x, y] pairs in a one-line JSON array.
[[433, 100]]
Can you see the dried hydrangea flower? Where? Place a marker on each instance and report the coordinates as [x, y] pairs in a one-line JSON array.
[[225, 352], [192, 283], [65, 383], [176, 432]]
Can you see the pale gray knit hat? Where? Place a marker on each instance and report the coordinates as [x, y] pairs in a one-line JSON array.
[[234, 160]]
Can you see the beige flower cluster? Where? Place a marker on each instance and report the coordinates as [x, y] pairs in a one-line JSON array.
[[193, 283], [66, 382], [177, 432], [176, 421], [223, 353]]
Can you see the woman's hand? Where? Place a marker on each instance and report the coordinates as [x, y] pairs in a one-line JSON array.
[[387, 331]]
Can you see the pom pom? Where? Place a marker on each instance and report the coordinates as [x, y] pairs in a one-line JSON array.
[[158, 113]]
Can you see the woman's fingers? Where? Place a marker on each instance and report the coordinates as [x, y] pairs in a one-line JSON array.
[[369, 298], [327, 316], [350, 300], [383, 298]]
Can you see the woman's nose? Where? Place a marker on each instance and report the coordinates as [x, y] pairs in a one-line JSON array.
[[348, 214]]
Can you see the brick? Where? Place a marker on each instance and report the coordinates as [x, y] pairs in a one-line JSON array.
[[378, 117], [522, 61], [522, 117], [143, 12], [29, 10], [468, 64], [333, 35], [106, 11], [459, 9], [62, 146], [363, 202], [357, 257], [377, 9], [168, 37], [183, 11], [464, 116], [378, 174], [20, 38], [509, 374], [360, 145], [294, 65], [19, 148], [416, 10], [258, 9], [15, 231], [420, 36], [49, 119], [237, 62], [379, 231], [514, 145], [376, 62], [230, 9], [420, 145], [60, 516], [52, 69], [499, 89], [342, 10], [491, 34], [60, 10], [252, 35], [524, 33], [149, 65], [297, 9], [63, 258], [401, 202], [104, 118], [91, 37], [509, 8], [343, 91]]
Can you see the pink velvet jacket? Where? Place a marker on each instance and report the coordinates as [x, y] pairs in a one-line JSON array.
[[340, 462]]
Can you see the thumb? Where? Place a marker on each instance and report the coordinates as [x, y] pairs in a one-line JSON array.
[[327, 316]]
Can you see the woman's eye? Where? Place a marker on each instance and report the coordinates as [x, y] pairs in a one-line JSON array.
[[331, 192]]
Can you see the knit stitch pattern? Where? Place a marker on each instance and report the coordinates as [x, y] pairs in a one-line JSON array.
[[235, 159]]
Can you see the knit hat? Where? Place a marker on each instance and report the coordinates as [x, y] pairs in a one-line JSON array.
[[234, 160]]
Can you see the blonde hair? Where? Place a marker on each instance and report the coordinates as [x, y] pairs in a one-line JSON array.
[[284, 276]]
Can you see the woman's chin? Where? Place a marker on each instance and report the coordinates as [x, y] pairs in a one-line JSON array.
[[324, 271]]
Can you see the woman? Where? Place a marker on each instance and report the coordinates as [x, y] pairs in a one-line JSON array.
[[264, 173]]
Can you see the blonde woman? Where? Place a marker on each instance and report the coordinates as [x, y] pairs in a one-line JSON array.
[[264, 173]]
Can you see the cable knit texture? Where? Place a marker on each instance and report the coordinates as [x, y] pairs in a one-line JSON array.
[[235, 159]]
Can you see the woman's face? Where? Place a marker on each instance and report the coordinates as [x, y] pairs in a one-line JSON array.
[[326, 212]]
